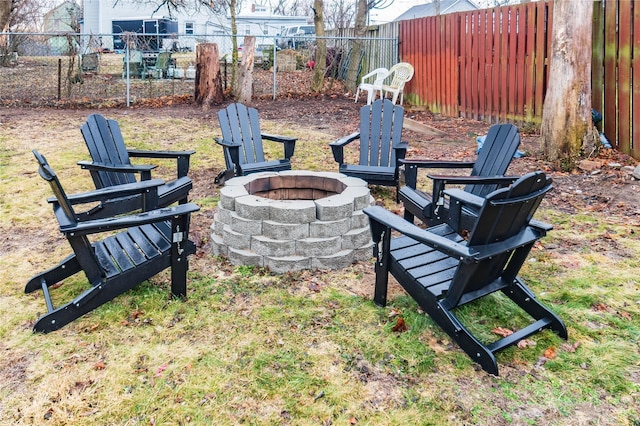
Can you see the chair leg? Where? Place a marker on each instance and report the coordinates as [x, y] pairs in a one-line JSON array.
[[68, 267], [524, 298], [179, 263], [357, 94], [408, 216], [370, 96], [473, 347], [382, 269]]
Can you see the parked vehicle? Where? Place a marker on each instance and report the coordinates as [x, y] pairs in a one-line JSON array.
[[297, 37], [152, 33]]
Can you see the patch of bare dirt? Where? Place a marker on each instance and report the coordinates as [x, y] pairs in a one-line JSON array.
[[606, 187]]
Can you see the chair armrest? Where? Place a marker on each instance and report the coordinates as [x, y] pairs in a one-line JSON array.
[[277, 138], [401, 145], [440, 181], [289, 143], [143, 169], [503, 180], [412, 165], [121, 222], [337, 146], [183, 158], [437, 164], [382, 220], [401, 151], [159, 154], [526, 236], [227, 144], [112, 192], [234, 152], [464, 198], [540, 225]]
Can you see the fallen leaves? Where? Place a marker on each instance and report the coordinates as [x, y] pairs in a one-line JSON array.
[[525, 343], [401, 326], [550, 353], [500, 331]]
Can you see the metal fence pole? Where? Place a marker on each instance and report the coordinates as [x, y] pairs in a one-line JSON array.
[[275, 66], [126, 60]]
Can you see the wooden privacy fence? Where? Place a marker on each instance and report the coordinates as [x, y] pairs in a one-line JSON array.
[[492, 65], [616, 72]]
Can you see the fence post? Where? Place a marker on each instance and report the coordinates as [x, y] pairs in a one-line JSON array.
[[59, 76], [126, 61]]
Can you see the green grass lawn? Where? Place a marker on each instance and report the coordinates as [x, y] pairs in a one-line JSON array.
[[306, 348]]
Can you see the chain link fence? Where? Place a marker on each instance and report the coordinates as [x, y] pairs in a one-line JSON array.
[[45, 69]]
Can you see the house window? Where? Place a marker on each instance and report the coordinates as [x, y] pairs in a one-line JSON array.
[[188, 28], [247, 30]]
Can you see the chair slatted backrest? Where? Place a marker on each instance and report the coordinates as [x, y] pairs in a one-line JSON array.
[[106, 145], [63, 209], [380, 128], [499, 146], [240, 124], [505, 213]]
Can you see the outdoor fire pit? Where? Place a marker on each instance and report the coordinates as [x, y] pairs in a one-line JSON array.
[[293, 220]]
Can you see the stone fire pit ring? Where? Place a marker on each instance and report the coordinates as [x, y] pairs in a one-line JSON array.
[[293, 220]]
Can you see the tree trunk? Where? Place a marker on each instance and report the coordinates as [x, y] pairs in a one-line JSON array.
[[351, 81], [234, 45], [208, 82], [6, 7], [245, 75], [320, 67], [567, 129]]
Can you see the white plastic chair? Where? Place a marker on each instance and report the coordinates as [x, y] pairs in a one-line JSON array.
[[375, 87], [401, 73]]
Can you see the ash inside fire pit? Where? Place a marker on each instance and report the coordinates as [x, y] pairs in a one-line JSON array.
[[293, 220]]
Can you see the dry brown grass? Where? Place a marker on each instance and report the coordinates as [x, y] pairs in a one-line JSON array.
[[252, 347]]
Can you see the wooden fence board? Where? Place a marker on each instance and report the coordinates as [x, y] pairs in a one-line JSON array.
[[504, 66], [493, 64], [624, 72], [521, 71], [495, 69], [611, 47], [597, 57], [530, 66], [540, 57], [634, 147]]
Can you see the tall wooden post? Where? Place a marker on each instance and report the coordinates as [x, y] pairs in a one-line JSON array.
[[208, 91], [245, 76]]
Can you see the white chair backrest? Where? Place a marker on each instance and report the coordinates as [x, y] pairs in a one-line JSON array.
[[379, 75], [401, 73]]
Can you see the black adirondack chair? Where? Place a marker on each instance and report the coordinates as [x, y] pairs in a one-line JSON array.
[[145, 244], [487, 174], [111, 165], [442, 271], [381, 146], [242, 143]]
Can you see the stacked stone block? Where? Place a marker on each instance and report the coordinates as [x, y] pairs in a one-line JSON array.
[[293, 220]]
